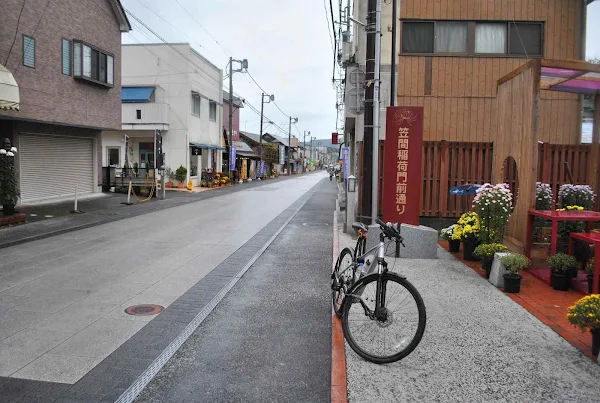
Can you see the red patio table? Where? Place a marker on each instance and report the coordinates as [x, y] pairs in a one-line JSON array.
[[555, 217], [592, 237]]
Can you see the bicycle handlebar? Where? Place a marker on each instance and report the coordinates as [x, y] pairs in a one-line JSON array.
[[389, 231]]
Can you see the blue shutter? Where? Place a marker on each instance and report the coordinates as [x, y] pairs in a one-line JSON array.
[[66, 57], [28, 51]]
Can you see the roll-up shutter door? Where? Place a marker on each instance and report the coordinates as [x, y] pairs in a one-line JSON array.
[[51, 166]]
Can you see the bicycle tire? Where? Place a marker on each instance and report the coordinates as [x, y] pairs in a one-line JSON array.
[[348, 334], [346, 278]]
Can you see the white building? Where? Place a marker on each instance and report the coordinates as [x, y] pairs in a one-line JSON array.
[[171, 88]]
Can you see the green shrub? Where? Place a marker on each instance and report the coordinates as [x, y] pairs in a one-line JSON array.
[[589, 267], [514, 263], [562, 262], [181, 174], [489, 250]]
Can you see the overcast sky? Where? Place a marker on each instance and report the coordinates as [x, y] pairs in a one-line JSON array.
[[287, 46]]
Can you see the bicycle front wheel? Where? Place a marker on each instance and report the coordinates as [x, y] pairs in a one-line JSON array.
[[342, 278], [397, 332]]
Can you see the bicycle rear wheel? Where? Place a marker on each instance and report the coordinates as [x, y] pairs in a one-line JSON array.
[[342, 278], [389, 338]]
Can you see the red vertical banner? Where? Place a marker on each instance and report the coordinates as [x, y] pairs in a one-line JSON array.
[[402, 164], [334, 138]]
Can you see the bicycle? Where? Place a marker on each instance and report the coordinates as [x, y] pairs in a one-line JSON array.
[[367, 300]]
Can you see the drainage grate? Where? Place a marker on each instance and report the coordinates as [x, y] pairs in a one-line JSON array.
[[144, 310]]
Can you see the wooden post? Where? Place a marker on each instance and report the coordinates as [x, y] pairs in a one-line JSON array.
[[444, 179], [595, 151]]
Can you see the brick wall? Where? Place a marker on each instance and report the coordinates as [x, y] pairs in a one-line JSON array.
[[46, 94]]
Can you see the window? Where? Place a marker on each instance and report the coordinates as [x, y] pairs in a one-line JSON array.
[[92, 64], [525, 39], [196, 104], [450, 37], [490, 38], [28, 51], [138, 113], [66, 57], [417, 37], [473, 38], [114, 156], [212, 112]]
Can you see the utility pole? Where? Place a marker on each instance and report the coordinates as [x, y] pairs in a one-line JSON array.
[[304, 145], [393, 69], [262, 107], [244, 65], [375, 188], [290, 141]]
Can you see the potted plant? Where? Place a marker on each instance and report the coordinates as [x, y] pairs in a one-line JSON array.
[[9, 184], [493, 205], [136, 168], [513, 263], [446, 235], [560, 264], [486, 253], [168, 176], [467, 230], [589, 270], [181, 175], [585, 314]]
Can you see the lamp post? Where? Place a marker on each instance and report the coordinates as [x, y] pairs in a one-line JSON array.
[[243, 65], [262, 106], [290, 141], [304, 144]]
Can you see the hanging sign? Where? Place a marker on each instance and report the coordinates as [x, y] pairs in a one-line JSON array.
[[232, 159], [402, 164], [345, 161], [281, 155]]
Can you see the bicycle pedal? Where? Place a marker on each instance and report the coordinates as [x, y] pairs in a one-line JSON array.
[[336, 286]]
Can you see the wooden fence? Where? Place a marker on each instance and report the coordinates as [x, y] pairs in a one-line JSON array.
[[448, 164]]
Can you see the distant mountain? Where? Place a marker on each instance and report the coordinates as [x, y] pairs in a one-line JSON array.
[[326, 142]]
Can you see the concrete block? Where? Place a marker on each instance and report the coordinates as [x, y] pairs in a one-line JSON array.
[[497, 271], [421, 242]]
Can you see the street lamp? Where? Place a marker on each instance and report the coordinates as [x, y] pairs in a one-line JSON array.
[[290, 142], [243, 66], [270, 98]]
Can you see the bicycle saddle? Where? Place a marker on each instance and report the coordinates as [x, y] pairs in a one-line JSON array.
[[360, 226]]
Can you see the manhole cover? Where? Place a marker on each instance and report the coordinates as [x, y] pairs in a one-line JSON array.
[[144, 310]]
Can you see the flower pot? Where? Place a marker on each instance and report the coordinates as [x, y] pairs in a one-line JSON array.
[[180, 186], [590, 280], [8, 209], [512, 282], [169, 184], [453, 246], [595, 342], [572, 272], [560, 281], [468, 248], [486, 264]]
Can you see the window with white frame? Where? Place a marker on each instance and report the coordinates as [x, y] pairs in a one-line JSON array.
[[113, 154], [92, 64], [212, 111], [195, 104]]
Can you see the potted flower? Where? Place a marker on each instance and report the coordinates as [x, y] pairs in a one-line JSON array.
[[589, 270], [585, 314], [513, 263], [181, 175], [541, 242], [486, 253], [560, 264], [9, 184], [467, 230], [493, 205], [446, 235], [168, 176]]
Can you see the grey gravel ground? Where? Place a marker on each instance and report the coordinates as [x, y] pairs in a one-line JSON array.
[[479, 346]]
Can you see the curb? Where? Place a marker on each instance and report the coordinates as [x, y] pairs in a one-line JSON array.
[[339, 390]]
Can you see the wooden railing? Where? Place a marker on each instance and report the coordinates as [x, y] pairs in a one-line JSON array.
[[449, 164]]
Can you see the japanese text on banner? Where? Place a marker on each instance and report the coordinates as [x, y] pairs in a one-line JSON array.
[[402, 169]]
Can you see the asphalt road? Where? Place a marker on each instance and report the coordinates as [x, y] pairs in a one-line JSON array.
[[269, 339]]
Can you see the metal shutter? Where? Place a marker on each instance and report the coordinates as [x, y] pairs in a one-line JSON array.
[[51, 166]]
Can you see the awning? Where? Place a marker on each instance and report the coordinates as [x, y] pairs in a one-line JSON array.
[[136, 94], [206, 146], [9, 90]]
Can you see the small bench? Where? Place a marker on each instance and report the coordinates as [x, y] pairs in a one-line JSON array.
[[590, 238]]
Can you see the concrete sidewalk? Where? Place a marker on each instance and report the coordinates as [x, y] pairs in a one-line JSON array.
[[52, 219], [479, 346]]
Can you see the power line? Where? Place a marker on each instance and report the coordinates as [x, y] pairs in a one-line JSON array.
[[225, 51], [16, 32], [34, 31], [266, 92]]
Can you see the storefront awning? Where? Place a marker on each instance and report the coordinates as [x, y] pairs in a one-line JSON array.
[[206, 146], [9, 90]]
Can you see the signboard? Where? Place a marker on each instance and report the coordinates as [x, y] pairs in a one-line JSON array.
[[345, 162], [334, 138], [232, 159], [262, 169], [244, 173], [281, 155], [253, 169], [402, 164]]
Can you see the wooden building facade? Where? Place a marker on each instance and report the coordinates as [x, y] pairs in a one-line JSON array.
[[453, 52]]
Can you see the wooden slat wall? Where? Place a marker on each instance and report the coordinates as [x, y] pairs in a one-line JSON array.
[[462, 104]]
